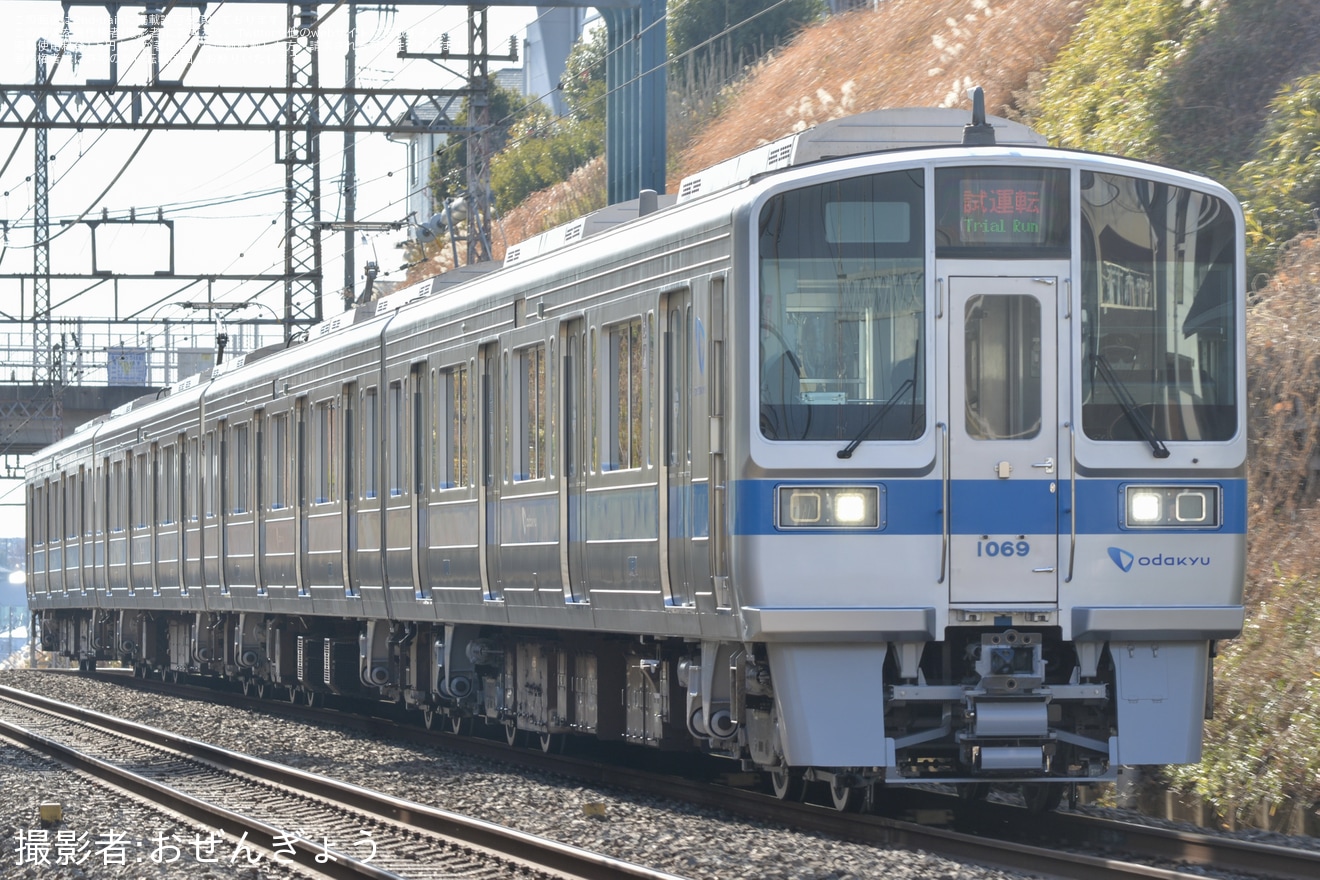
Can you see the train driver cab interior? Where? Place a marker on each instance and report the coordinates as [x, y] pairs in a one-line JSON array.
[[842, 311]]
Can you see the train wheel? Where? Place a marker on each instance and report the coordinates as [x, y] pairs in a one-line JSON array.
[[460, 725], [248, 686], [552, 743], [294, 693], [512, 735], [786, 784], [312, 699], [428, 717], [846, 798], [1041, 797]]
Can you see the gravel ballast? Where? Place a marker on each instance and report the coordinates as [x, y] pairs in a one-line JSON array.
[[664, 835]]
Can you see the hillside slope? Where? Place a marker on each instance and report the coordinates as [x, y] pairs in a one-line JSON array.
[[905, 53]]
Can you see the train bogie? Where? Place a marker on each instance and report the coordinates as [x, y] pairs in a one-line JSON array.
[[850, 466]]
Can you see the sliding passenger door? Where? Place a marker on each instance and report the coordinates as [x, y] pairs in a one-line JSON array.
[[576, 449], [319, 495], [679, 396], [349, 521], [421, 419], [399, 486], [295, 468], [368, 519], [451, 549], [491, 471], [189, 513]]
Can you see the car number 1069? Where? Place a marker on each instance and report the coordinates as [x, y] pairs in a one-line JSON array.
[[1002, 548]]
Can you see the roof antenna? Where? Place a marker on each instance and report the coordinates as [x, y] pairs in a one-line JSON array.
[[979, 133]]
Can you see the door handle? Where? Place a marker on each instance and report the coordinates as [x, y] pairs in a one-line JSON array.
[[1047, 464]]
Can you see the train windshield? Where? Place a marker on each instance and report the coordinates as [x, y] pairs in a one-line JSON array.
[[1158, 327], [842, 311]]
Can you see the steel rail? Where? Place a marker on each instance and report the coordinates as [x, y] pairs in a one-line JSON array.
[[994, 835], [540, 853]]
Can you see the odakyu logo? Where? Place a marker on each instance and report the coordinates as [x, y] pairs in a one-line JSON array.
[[1122, 558], [1125, 560]]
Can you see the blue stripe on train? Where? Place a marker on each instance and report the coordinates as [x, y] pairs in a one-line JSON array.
[[912, 507]]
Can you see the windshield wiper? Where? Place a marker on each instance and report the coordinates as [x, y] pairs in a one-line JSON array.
[[1130, 409], [847, 451]]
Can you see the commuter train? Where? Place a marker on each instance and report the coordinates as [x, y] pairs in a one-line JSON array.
[[903, 449]]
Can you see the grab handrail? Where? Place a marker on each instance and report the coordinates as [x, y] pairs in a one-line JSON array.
[[1072, 500], [944, 499]]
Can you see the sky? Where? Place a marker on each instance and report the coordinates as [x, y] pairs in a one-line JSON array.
[[223, 190]]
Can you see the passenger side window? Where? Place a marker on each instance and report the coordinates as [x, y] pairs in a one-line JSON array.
[[279, 461], [625, 377], [167, 487], [323, 444], [454, 429], [240, 471], [534, 421], [371, 443]]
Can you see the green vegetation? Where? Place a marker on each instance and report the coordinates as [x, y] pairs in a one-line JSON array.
[[1230, 89], [1105, 90], [1227, 89], [448, 171], [1264, 746], [1280, 188], [544, 150]]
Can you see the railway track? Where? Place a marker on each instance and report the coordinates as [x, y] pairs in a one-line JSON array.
[[1059, 844], [279, 813]]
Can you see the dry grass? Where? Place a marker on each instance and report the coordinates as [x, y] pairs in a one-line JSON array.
[[905, 53], [1262, 750], [1283, 373], [582, 193]]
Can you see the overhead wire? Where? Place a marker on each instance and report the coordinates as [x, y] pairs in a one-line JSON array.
[[463, 139], [603, 61]]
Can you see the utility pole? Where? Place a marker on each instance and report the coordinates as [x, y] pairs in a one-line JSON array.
[[42, 375], [302, 181], [478, 147], [349, 186], [477, 131]]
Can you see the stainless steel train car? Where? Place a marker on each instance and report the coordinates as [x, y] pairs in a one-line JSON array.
[[903, 449]]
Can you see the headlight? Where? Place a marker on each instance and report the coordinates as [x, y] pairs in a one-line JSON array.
[[828, 507], [1171, 506]]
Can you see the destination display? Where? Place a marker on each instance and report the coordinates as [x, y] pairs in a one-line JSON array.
[[998, 208]]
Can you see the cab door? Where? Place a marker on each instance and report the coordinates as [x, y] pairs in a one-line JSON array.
[[1003, 440]]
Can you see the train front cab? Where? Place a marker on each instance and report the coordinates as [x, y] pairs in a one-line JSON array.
[[993, 517]]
